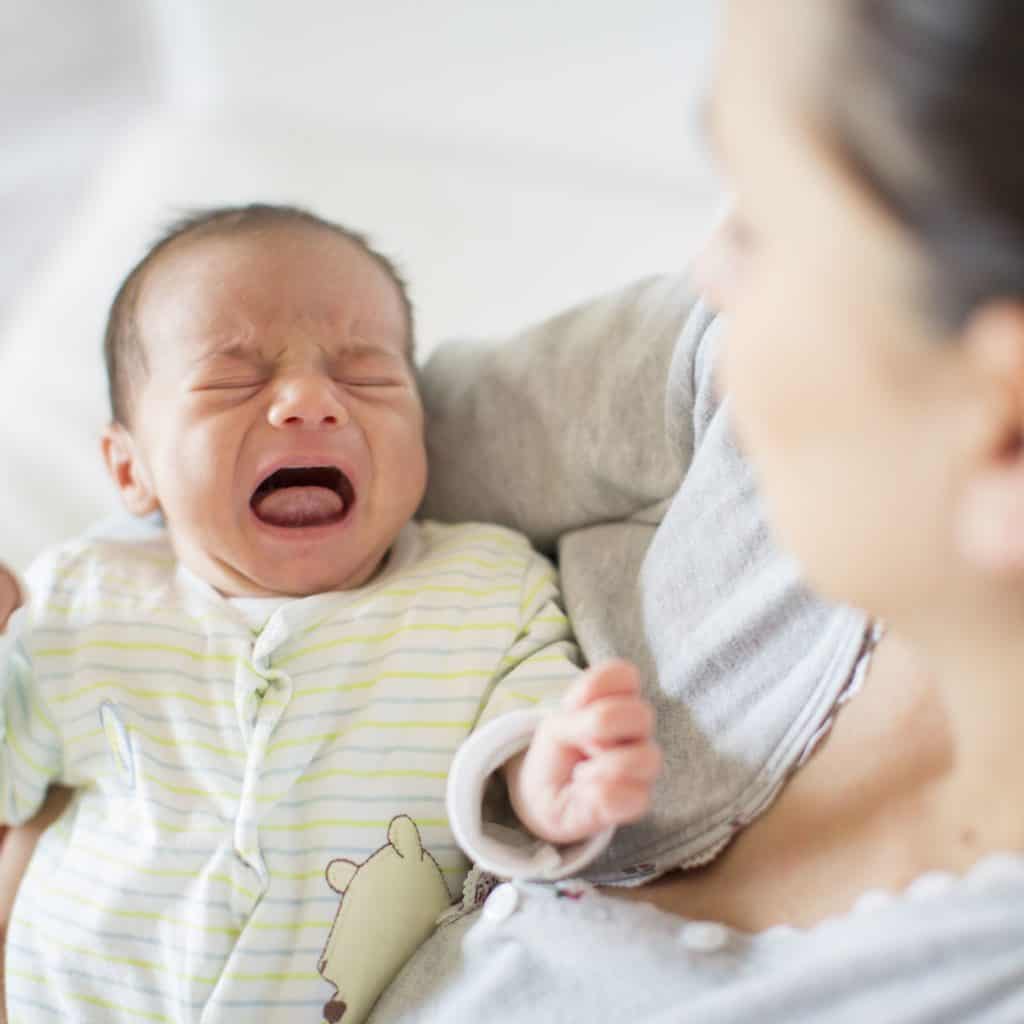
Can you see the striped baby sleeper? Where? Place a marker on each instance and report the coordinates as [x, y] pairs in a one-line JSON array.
[[236, 785]]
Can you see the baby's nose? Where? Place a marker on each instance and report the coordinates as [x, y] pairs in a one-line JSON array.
[[309, 401]]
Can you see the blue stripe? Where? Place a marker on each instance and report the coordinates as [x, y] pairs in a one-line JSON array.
[[102, 885], [432, 652], [238, 1004], [32, 786], [229, 681], [348, 851], [473, 608], [129, 798], [14, 997], [138, 623], [445, 752], [105, 980], [49, 748], [146, 755], [283, 952], [152, 670], [361, 799], [159, 717], [95, 828]]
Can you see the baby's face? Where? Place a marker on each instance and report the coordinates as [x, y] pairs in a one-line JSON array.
[[278, 426]]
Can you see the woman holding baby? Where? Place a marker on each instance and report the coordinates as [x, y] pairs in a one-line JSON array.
[[872, 355], [844, 787]]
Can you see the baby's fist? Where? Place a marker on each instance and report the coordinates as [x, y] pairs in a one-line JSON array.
[[591, 764]]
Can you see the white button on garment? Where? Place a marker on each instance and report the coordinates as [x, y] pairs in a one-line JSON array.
[[704, 936], [501, 903]]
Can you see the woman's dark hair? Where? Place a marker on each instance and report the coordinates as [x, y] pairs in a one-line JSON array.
[[930, 117]]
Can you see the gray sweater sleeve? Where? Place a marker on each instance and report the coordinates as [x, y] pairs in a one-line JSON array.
[[602, 428], [563, 425]]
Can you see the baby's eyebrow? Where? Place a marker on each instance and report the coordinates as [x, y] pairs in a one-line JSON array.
[[235, 348], [360, 347], [250, 351]]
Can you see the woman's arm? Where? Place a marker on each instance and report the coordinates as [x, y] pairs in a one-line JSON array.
[[562, 426]]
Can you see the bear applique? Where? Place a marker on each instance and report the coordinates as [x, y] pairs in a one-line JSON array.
[[389, 905]]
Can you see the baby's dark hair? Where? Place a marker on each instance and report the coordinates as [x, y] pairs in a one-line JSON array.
[[123, 351]]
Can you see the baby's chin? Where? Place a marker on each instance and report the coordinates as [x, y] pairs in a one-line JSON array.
[[315, 573], [293, 581]]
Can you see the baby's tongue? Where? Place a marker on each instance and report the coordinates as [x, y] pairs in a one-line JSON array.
[[299, 506]]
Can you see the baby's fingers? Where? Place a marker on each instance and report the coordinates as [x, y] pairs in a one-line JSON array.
[[607, 723], [609, 679], [640, 762], [615, 803]]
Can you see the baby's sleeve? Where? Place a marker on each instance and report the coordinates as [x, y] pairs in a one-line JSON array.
[[534, 675], [543, 660], [30, 749]]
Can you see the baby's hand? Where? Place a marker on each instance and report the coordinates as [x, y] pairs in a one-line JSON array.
[[590, 765], [10, 595]]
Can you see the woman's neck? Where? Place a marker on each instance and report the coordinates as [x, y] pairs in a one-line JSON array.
[[894, 791], [979, 683]]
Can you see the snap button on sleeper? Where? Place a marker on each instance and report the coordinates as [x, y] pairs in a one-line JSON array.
[[704, 936], [502, 903]]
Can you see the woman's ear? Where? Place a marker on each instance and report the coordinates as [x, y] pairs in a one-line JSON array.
[[991, 510], [128, 471]]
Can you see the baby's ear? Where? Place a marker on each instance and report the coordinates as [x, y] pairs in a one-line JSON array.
[[128, 471]]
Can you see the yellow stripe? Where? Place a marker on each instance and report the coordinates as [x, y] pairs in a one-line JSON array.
[[16, 746], [128, 961], [331, 736], [116, 605], [349, 773], [78, 997], [528, 597], [351, 823], [175, 742], [305, 876], [558, 657], [309, 976], [369, 684], [119, 645], [469, 673], [156, 872], [182, 790], [376, 638], [522, 696], [439, 588], [143, 694], [106, 1005], [443, 563], [298, 926], [220, 827], [76, 899]]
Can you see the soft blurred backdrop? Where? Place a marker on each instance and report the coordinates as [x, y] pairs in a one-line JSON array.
[[512, 158]]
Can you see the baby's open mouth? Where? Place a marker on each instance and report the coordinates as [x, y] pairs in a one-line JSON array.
[[303, 496]]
